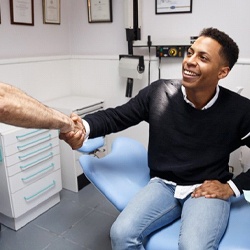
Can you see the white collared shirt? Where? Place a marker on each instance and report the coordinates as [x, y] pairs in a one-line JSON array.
[[208, 105]]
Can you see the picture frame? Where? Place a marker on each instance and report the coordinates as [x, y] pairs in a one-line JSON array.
[[22, 12], [52, 11], [99, 11], [173, 6]]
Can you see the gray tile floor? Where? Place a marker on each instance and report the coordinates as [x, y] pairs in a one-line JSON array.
[[81, 221]]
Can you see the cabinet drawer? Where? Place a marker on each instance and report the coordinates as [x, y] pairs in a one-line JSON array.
[[25, 178], [15, 134], [38, 162], [30, 158], [37, 192], [30, 142]]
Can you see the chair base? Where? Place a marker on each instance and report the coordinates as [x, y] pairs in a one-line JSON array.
[[82, 181]]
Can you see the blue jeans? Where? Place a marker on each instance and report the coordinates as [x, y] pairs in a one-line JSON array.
[[203, 220]]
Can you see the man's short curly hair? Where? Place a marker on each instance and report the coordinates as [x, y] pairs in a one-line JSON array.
[[229, 49]]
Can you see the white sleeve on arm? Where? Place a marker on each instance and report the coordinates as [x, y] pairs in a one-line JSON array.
[[235, 189], [87, 128]]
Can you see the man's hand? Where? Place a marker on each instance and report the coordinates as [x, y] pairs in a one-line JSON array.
[[74, 138], [213, 189], [68, 125]]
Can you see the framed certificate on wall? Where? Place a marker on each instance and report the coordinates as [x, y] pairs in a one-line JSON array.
[[22, 12], [173, 6], [51, 12], [99, 11]]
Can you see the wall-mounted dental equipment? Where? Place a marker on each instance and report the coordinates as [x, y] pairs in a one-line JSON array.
[[132, 24], [131, 67], [163, 49]]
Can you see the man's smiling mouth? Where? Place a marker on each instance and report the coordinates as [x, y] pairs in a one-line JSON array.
[[190, 73]]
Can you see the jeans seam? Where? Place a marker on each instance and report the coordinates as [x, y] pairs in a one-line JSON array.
[[162, 214], [219, 227]]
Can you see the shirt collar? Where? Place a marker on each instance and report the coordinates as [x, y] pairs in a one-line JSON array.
[[208, 105]]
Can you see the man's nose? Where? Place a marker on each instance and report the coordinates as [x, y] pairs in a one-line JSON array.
[[191, 60]]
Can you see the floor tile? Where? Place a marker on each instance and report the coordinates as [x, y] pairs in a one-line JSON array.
[[62, 217], [108, 208], [29, 237], [89, 196], [93, 231], [64, 244]]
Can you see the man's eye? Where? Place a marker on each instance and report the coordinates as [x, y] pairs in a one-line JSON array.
[[203, 58]]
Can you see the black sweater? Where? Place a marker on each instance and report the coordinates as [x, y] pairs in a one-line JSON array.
[[186, 145]]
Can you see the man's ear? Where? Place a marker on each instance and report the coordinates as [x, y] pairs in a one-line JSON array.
[[224, 71]]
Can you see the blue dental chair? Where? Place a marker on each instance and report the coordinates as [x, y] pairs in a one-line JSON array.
[[124, 171]]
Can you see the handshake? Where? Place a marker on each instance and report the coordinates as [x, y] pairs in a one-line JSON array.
[[74, 132]]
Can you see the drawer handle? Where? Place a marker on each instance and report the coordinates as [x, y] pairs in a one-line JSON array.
[[50, 155], [23, 157], [1, 154], [45, 138], [42, 171], [29, 134], [42, 191]]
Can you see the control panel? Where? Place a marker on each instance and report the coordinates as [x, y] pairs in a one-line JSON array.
[[170, 51]]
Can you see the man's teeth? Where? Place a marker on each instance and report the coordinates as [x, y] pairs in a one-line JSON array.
[[187, 72]]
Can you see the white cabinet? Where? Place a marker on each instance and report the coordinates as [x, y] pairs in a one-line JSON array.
[[73, 178], [30, 173]]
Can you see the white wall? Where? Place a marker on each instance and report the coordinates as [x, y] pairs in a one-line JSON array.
[[19, 41], [43, 78], [76, 36], [232, 16]]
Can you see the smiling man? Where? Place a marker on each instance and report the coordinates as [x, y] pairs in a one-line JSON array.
[[194, 125]]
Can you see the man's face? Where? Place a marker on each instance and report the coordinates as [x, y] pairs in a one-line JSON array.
[[203, 66]]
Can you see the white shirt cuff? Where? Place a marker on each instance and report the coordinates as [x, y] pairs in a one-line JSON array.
[[235, 189], [87, 128]]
